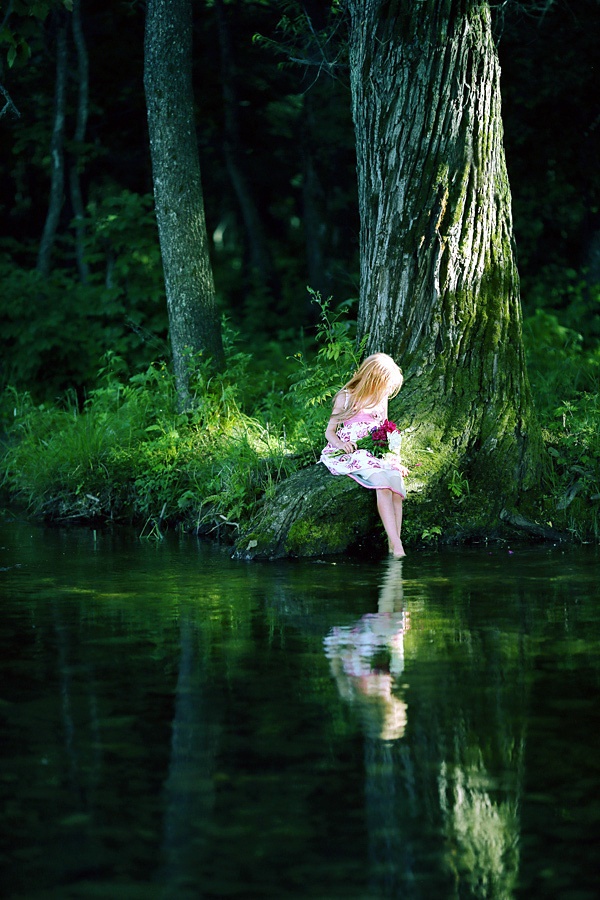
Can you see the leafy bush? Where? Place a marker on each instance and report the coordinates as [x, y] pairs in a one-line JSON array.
[[565, 379], [559, 366], [129, 455], [56, 330], [573, 440], [320, 376]]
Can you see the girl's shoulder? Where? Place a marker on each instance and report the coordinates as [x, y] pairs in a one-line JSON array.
[[341, 401]]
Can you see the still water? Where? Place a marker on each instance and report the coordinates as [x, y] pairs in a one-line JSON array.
[[176, 724]]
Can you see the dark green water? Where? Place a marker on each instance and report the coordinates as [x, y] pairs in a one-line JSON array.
[[175, 724]]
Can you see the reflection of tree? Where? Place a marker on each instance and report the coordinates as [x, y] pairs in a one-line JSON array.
[[367, 659], [481, 827], [189, 793], [481, 767], [443, 756]]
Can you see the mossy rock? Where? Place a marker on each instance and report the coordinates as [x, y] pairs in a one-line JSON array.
[[312, 513]]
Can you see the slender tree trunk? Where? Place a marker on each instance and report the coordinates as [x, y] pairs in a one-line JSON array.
[[591, 255], [439, 284], [79, 137], [261, 263], [193, 320], [57, 162], [313, 205], [189, 790]]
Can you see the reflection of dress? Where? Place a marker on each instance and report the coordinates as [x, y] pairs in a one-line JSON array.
[[361, 465], [357, 646], [366, 660]]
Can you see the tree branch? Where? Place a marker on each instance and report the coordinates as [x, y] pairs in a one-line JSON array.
[[9, 106]]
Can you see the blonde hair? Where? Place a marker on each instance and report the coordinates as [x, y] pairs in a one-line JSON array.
[[377, 377]]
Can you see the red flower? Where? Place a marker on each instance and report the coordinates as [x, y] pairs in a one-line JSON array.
[[379, 435], [376, 442]]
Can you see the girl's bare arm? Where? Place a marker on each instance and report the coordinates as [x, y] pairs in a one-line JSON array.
[[333, 424]]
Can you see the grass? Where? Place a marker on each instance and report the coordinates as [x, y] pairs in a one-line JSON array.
[[128, 455]]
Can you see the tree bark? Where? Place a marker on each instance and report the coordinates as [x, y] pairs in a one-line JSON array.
[[57, 161], [193, 321], [439, 283], [313, 197], [312, 513]]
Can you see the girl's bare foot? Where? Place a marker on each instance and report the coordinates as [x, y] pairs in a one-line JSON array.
[[397, 550]]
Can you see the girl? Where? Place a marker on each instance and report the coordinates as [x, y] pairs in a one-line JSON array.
[[361, 405]]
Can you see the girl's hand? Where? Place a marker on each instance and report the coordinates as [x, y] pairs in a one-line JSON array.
[[346, 446], [404, 471]]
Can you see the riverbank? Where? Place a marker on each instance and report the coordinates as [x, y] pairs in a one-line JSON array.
[[127, 458]]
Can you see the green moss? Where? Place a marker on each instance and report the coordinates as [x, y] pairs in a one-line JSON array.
[[313, 538]]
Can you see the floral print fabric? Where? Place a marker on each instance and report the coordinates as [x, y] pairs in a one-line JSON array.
[[361, 465]]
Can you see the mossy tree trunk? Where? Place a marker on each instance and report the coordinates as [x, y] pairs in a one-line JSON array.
[[194, 325], [439, 283]]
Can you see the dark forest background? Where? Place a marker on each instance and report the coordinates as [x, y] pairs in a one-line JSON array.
[[278, 169]]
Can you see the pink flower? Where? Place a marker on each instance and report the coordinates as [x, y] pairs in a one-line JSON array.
[[377, 441]]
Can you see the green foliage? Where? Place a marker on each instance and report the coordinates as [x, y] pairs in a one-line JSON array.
[[56, 330], [432, 534], [129, 456], [458, 486], [573, 441], [21, 24], [320, 376], [559, 366], [565, 378], [59, 458], [566, 293]]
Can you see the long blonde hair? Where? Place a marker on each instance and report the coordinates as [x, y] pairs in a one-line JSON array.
[[377, 377]]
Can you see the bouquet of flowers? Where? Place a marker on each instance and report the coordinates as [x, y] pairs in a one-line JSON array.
[[382, 439]]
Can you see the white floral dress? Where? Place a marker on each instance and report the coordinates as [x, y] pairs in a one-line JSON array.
[[366, 469]]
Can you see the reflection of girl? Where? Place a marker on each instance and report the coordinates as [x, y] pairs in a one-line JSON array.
[[368, 657]]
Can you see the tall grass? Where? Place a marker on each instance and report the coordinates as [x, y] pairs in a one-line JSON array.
[[128, 455]]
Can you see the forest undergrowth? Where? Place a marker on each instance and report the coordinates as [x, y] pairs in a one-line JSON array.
[[126, 456]]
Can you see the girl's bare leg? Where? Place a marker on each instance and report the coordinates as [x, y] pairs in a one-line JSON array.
[[387, 514], [397, 500]]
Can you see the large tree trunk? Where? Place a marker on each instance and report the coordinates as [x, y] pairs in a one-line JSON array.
[[193, 321], [439, 284]]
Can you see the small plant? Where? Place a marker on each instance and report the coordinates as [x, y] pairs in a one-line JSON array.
[[319, 378], [458, 486], [431, 535], [573, 443]]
